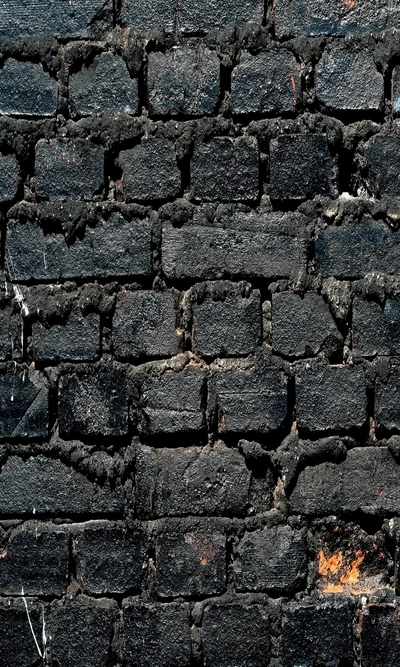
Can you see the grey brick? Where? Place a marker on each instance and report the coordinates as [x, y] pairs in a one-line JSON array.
[[155, 634], [192, 16], [387, 408], [380, 636], [24, 410], [17, 645], [76, 340], [348, 81], [272, 560], [301, 167], [235, 634], [396, 90], [104, 85], [37, 17], [330, 17], [191, 481], [92, 405], [173, 402], [150, 170], [183, 80], [112, 248], [225, 169], [27, 90], [68, 169], [251, 400], [382, 153], [9, 177], [226, 319], [109, 559], [42, 485], [80, 631], [376, 328], [302, 326], [366, 481], [320, 632], [351, 251], [144, 323], [267, 82], [332, 398], [10, 335], [199, 564], [266, 246], [36, 560]]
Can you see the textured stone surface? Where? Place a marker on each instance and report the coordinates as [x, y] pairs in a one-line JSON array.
[[9, 177], [76, 340], [382, 154], [24, 411], [27, 90], [183, 80], [151, 171], [387, 409], [376, 327], [380, 636], [18, 645]]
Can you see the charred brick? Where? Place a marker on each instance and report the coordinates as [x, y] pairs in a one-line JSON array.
[[109, 559], [317, 633], [144, 323], [367, 481], [18, 646], [156, 634], [24, 411], [199, 564], [68, 169], [267, 82], [382, 154], [93, 405], [272, 560], [9, 177], [183, 80], [173, 402], [380, 636], [225, 169], [10, 335], [193, 480], [151, 171], [302, 326], [235, 634], [27, 90], [347, 81], [251, 400], [76, 340], [36, 560], [112, 248], [376, 328], [331, 399], [226, 319], [301, 167], [387, 408], [396, 90]]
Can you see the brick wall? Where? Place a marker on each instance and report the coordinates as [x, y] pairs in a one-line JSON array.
[[199, 333]]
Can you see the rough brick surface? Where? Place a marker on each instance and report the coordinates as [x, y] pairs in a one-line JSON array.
[[76, 340], [376, 327], [199, 564], [380, 636], [348, 81], [103, 86], [387, 411], [381, 153], [183, 80], [10, 334], [396, 90], [151, 171], [225, 170], [267, 82], [24, 411], [301, 167], [17, 644], [193, 480], [27, 90], [9, 177]]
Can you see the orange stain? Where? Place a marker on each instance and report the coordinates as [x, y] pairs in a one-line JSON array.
[[331, 564], [293, 83], [349, 3], [4, 554], [352, 575]]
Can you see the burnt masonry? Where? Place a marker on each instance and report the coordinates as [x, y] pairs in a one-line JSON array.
[[199, 333]]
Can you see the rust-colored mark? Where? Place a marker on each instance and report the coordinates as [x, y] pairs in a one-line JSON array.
[[293, 83], [352, 574], [332, 564], [334, 588], [349, 3], [203, 561], [4, 554]]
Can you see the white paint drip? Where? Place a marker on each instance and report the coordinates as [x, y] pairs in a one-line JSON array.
[[30, 623], [21, 301]]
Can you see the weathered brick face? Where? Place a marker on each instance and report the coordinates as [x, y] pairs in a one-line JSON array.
[[199, 333]]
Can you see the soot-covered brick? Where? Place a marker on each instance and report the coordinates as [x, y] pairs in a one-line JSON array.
[[380, 636], [235, 634], [382, 154], [376, 327], [155, 634], [183, 80], [27, 90], [9, 177], [104, 85], [267, 82], [387, 407], [17, 645], [301, 167], [24, 411], [199, 564], [78, 339], [225, 169], [151, 171]]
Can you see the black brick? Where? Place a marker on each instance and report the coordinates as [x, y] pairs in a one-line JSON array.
[[92, 405], [183, 80], [199, 564], [272, 560], [76, 340], [9, 177], [235, 635], [151, 171], [225, 169], [376, 328], [380, 636], [301, 167], [156, 634], [10, 335], [333, 398], [302, 326], [17, 646], [109, 559], [27, 90], [144, 323], [267, 82], [387, 407], [195, 480], [382, 154], [24, 411]]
